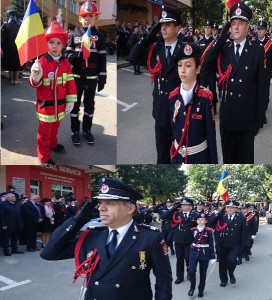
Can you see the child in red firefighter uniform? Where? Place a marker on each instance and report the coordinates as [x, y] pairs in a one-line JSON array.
[[56, 92], [191, 115]]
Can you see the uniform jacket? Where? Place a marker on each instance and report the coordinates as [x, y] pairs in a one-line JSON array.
[[251, 223], [121, 276], [96, 68], [202, 238], [10, 216], [55, 89], [164, 82], [61, 212], [229, 234], [30, 213], [204, 43], [182, 228], [243, 100], [201, 126]]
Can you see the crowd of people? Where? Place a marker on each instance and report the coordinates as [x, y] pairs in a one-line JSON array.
[[185, 69], [23, 218]]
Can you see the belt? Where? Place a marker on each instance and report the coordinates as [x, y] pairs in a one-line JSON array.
[[184, 151], [200, 245], [44, 103]]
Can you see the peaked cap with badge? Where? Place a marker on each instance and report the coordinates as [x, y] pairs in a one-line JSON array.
[[111, 189], [188, 50], [169, 14], [262, 24], [240, 11], [232, 203]]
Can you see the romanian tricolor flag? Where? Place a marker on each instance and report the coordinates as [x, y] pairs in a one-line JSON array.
[[86, 44], [222, 188], [30, 40]]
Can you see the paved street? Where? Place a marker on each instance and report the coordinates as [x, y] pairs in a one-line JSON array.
[[136, 133], [20, 126], [36, 278]]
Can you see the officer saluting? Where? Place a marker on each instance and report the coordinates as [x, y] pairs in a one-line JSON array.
[[241, 74], [230, 238], [162, 67], [115, 260]]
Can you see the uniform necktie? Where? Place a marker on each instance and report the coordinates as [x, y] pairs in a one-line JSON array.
[[230, 218], [185, 216], [169, 54], [237, 55], [111, 247]]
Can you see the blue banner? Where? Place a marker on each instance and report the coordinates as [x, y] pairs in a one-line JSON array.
[[159, 2]]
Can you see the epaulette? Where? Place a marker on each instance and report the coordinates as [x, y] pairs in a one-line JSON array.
[[205, 93], [174, 93], [209, 229], [149, 227]]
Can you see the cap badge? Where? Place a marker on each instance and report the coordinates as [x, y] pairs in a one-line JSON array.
[[164, 14], [231, 203], [88, 7], [105, 188], [188, 50], [238, 11]]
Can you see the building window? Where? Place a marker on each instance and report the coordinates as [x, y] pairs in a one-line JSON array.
[[59, 190], [72, 7], [34, 187], [61, 2]]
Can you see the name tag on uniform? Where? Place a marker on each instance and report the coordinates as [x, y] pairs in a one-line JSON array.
[[196, 117]]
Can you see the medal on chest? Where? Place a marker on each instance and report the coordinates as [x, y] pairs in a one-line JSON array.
[[142, 260]]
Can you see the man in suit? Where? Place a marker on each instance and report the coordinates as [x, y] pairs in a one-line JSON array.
[[115, 260], [10, 219], [31, 217], [241, 74], [162, 67], [230, 237]]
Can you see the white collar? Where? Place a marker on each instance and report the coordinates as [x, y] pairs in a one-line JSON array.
[[200, 228], [186, 95], [122, 230], [242, 44]]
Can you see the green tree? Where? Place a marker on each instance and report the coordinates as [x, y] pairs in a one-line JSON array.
[[260, 10]]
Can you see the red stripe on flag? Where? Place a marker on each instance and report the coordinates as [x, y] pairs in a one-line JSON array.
[[34, 46]]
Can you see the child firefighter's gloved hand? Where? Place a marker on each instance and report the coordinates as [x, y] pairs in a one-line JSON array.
[[36, 71], [69, 107]]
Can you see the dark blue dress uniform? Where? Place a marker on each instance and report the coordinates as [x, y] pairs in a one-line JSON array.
[[124, 275], [243, 102], [230, 237], [193, 127], [165, 77], [166, 228], [201, 251], [182, 237], [251, 230]]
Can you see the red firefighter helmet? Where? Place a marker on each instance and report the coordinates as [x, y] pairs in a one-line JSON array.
[[55, 30], [89, 8]]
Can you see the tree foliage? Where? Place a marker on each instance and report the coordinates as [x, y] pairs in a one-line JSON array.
[[260, 10]]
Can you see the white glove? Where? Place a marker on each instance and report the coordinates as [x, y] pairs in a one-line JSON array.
[[253, 237], [213, 261], [69, 107], [36, 71]]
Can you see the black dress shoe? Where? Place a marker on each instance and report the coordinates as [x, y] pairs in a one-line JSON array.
[[59, 148], [178, 281], [239, 261], [191, 293], [200, 294], [223, 284], [7, 253], [17, 252], [246, 257], [232, 279]]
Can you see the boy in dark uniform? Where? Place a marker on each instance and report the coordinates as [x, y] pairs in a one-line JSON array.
[[191, 113], [116, 260], [88, 73], [201, 251]]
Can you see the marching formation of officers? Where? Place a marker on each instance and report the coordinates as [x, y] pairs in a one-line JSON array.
[[192, 229]]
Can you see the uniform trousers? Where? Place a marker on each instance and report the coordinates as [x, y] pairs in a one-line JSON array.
[[12, 237], [203, 266], [31, 235], [182, 253], [163, 144], [47, 139], [227, 261], [237, 146], [88, 87], [166, 230]]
